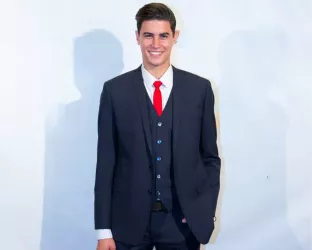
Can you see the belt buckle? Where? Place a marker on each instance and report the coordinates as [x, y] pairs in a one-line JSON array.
[[157, 206]]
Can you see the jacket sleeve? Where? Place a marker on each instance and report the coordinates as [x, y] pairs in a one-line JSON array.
[[208, 145], [106, 160]]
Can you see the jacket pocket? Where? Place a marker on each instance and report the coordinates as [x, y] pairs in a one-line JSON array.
[[209, 181]]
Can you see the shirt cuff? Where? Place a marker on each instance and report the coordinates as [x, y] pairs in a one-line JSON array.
[[104, 234]]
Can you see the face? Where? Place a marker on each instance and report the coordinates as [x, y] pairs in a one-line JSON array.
[[156, 40]]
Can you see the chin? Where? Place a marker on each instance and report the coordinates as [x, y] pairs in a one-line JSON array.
[[156, 62]]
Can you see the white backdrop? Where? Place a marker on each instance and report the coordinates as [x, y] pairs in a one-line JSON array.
[[54, 58]]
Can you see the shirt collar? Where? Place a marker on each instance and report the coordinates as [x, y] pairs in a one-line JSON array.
[[166, 79]]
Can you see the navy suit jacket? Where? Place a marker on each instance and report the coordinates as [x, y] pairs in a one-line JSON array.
[[124, 169]]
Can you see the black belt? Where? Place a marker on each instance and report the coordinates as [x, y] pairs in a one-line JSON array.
[[158, 206]]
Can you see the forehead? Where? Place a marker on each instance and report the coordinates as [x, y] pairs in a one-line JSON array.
[[156, 26]]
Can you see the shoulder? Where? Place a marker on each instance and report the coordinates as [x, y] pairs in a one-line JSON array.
[[122, 79], [192, 78]]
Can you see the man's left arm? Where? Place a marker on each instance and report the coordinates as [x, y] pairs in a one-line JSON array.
[[209, 148]]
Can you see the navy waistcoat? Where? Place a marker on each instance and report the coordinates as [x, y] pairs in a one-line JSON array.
[[161, 131]]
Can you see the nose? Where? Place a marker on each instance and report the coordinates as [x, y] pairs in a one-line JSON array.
[[156, 42]]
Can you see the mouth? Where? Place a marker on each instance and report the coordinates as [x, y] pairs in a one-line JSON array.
[[155, 53]]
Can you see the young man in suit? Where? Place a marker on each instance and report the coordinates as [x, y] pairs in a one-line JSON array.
[[158, 169]]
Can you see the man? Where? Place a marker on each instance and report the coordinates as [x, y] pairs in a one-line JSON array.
[[158, 169]]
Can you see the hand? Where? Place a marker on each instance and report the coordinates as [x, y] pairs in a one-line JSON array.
[[106, 244]]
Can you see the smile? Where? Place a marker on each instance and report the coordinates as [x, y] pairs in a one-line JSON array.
[[155, 53]]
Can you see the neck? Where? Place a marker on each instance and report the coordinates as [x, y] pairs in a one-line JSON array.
[[157, 71]]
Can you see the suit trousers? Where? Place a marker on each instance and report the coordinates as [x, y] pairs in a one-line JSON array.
[[166, 231]]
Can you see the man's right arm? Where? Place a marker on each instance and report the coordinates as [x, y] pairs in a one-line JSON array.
[[106, 160]]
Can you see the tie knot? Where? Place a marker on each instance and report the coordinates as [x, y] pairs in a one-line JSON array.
[[157, 84]]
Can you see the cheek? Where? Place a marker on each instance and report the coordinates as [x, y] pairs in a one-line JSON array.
[[168, 48], [145, 45], [167, 44]]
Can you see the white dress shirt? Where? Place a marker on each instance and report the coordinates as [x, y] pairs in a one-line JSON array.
[[165, 89]]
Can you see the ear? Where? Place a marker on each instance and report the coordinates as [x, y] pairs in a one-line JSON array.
[[137, 35], [176, 36]]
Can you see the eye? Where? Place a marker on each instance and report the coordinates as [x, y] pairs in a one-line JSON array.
[[163, 36], [147, 35]]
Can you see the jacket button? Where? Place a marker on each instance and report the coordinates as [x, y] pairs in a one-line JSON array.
[[149, 191]]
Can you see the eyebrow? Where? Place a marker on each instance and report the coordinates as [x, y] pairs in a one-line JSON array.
[[161, 34]]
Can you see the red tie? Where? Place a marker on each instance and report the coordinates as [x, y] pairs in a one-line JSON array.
[[157, 98]]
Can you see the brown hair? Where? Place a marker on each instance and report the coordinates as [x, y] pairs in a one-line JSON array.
[[155, 11]]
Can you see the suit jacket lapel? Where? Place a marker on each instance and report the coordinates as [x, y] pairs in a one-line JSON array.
[[178, 105], [141, 96]]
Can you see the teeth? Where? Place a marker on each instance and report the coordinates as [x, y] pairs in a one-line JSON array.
[[155, 53]]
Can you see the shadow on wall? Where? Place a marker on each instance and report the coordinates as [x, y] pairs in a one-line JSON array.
[[253, 135], [71, 147]]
